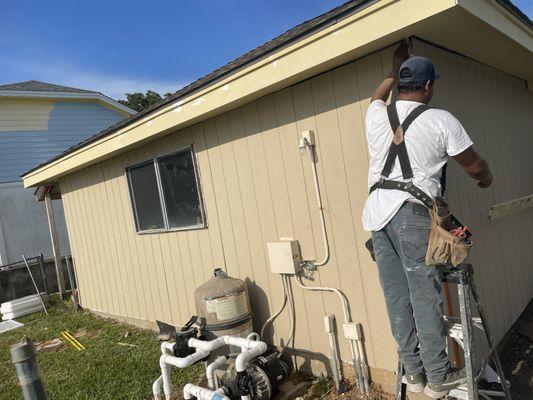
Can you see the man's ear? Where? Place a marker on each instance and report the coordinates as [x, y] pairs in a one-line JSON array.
[[427, 86]]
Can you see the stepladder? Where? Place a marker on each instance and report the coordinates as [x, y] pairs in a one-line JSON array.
[[485, 377]]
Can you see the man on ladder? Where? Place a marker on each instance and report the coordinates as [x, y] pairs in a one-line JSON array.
[[397, 214]]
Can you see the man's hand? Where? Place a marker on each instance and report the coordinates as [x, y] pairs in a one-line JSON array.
[[400, 55]]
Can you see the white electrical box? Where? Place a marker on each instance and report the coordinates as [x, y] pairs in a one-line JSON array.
[[284, 257]]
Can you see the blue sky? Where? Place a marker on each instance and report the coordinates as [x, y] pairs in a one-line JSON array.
[[118, 46]]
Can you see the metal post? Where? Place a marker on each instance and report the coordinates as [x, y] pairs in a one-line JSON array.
[[490, 341], [23, 356], [400, 387], [55, 242], [465, 308], [43, 273], [34, 284]]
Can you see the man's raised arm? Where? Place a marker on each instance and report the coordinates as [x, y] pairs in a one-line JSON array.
[[401, 54]]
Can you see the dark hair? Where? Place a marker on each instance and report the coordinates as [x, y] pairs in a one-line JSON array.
[[413, 86]]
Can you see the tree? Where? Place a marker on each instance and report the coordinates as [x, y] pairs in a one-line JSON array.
[[139, 101]]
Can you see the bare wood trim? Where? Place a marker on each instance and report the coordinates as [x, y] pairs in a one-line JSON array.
[[55, 243], [510, 207]]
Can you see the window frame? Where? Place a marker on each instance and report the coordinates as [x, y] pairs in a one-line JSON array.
[[154, 161]]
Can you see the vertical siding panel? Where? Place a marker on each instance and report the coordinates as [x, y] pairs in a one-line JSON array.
[[265, 208], [111, 265], [369, 74], [258, 270], [122, 275], [71, 219], [97, 264], [353, 143], [86, 263], [222, 200], [236, 215], [107, 292], [115, 176], [334, 189], [209, 197], [304, 112]]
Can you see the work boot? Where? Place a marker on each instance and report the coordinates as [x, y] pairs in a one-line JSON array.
[[454, 378], [416, 382]]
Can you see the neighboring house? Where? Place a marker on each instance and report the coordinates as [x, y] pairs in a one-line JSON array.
[[210, 175], [38, 120]]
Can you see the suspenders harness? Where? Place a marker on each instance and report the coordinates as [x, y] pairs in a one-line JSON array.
[[443, 246], [398, 150]]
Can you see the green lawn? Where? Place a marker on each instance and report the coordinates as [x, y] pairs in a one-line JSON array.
[[104, 370]]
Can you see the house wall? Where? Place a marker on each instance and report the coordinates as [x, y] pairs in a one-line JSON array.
[[257, 187], [32, 131], [24, 225]]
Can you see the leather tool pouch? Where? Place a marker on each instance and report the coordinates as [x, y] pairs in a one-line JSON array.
[[445, 248]]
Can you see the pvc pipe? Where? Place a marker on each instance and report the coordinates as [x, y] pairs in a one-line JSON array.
[[292, 313], [320, 209], [354, 350], [250, 348], [210, 371], [242, 360], [167, 360], [328, 325], [184, 362], [190, 391], [156, 387]]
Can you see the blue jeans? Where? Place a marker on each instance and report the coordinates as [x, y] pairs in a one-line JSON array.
[[412, 291]]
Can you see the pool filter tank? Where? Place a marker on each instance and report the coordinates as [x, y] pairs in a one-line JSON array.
[[223, 305]]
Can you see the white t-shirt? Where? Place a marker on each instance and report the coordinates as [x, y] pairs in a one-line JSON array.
[[431, 138]]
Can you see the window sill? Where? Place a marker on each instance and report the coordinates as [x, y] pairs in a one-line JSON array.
[[164, 230]]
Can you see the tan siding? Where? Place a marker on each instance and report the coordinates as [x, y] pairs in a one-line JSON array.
[[257, 187]]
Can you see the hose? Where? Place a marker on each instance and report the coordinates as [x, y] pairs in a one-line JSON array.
[[273, 317]]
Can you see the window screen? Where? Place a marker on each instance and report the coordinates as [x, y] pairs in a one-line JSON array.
[[180, 189], [165, 193]]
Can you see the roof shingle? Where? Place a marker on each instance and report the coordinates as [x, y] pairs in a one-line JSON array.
[[36, 86]]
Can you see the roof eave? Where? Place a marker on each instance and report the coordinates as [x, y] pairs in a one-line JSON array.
[[371, 28], [108, 101]]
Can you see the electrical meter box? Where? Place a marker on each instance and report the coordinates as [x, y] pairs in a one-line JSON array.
[[284, 257]]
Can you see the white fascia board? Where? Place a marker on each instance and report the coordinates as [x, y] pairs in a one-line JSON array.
[[67, 95]]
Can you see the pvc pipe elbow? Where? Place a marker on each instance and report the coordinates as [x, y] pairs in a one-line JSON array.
[[210, 371], [242, 360], [190, 391], [167, 347], [156, 387]]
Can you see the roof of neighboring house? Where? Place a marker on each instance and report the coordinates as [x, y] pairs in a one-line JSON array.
[[286, 39], [36, 89], [36, 86]]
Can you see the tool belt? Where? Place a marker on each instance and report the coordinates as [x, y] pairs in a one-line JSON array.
[[448, 239]]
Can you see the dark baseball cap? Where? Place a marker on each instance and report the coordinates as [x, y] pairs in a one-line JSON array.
[[417, 69]]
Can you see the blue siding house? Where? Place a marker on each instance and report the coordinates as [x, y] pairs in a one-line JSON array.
[[37, 121]]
